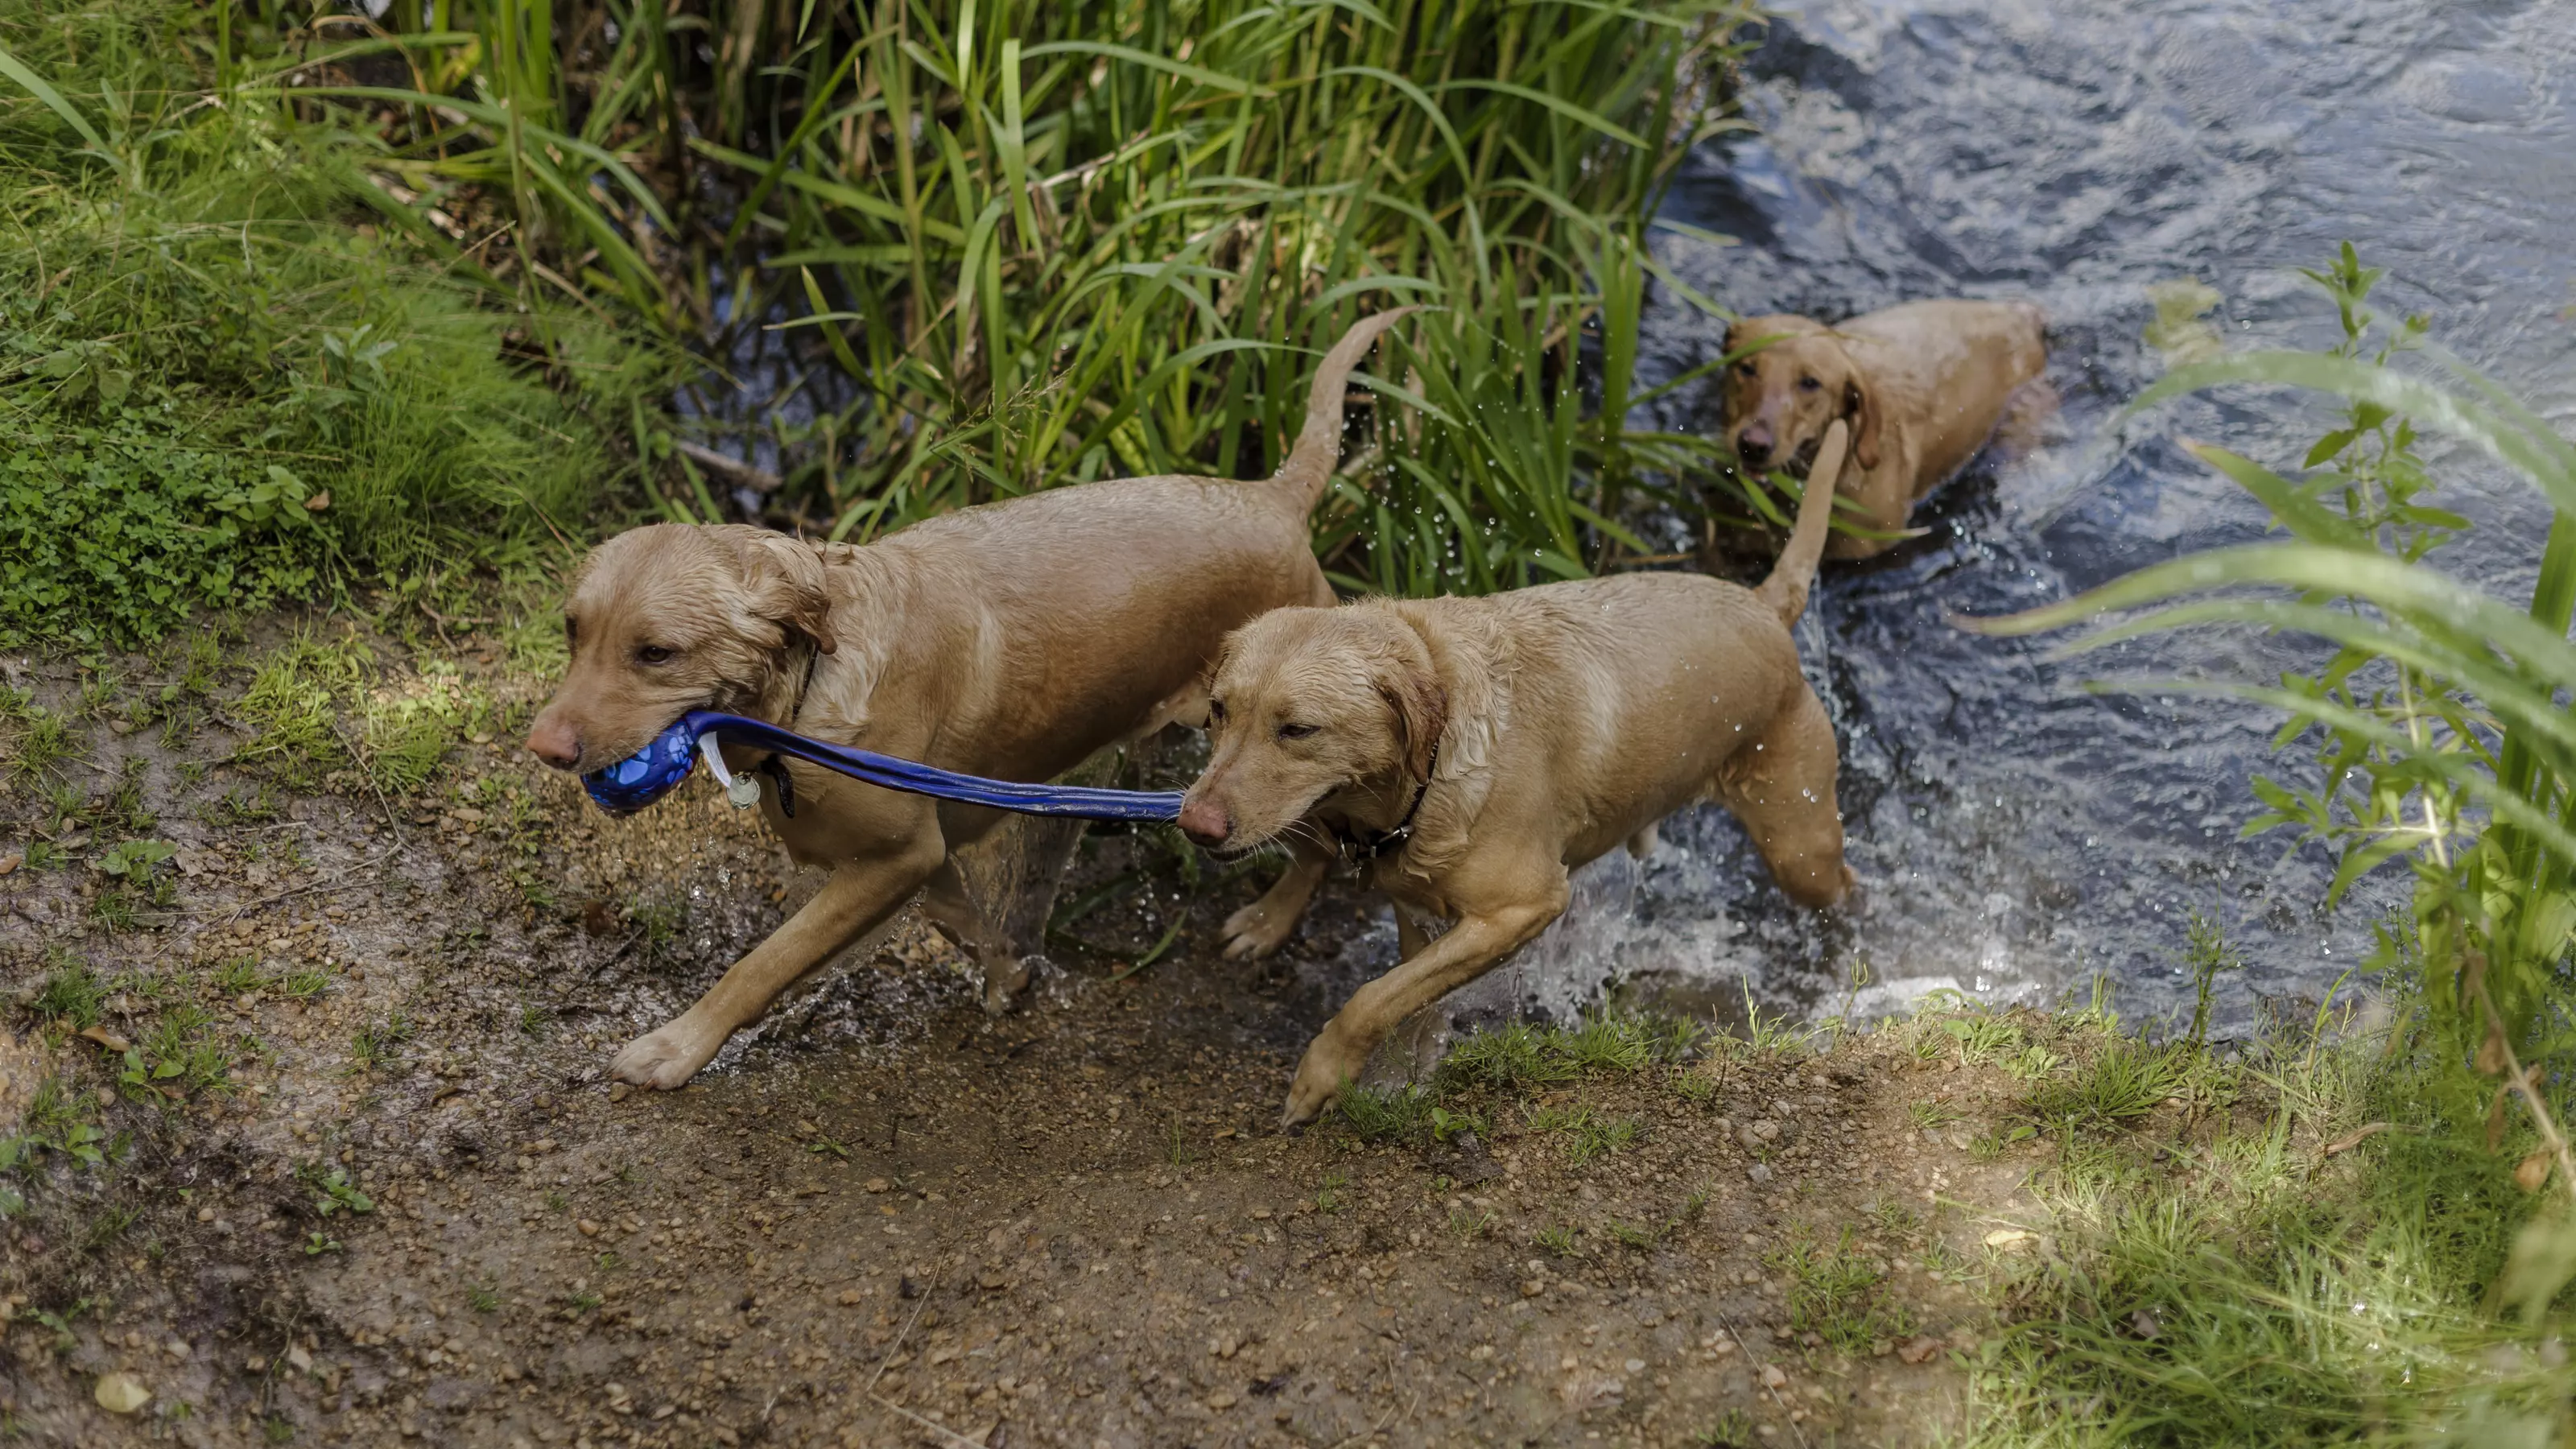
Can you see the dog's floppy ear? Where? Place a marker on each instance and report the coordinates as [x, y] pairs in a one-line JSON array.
[[783, 582], [1421, 709], [1862, 408]]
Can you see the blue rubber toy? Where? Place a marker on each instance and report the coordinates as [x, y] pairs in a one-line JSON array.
[[657, 769]]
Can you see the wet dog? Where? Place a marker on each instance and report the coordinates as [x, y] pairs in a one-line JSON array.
[[1012, 640], [1473, 752], [1922, 386]]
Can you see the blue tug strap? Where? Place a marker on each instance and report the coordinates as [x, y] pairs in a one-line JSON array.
[[657, 769]]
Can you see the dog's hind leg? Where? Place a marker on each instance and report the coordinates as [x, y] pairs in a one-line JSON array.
[[948, 902], [1782, 787]]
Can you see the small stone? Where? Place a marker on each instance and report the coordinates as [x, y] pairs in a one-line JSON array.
[[1759, 1172], [1918, 1350], [1260, 1215], [2010, 1240], [617, 1091], [1220, 1401], [852, 1298], [1635, 1365], [1772, 1378], [121, 1393], [298, 1360], [588, 1228], [205, 1215], [1532, 1287], [876, 1184]]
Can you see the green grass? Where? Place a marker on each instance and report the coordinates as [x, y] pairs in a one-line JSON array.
[[1838, 1292], [2123, 1081], [1583, 1133], [233, 375], [2238, 1287], [180, 1055], [1041, 244], [1394, 1115], [73, 992], [1519, 1057], [1512, 1058], [379, 1043]]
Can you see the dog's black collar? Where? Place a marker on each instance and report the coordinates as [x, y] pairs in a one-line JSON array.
[[776, 768], [1365, 847]]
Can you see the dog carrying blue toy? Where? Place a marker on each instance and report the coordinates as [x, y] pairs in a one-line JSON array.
[[657, 769]]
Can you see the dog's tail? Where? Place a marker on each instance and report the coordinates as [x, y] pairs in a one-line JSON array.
[[1786, 589], [1319, 444]]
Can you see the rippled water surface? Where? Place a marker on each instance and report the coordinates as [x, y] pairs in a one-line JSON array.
[[2017, 835]]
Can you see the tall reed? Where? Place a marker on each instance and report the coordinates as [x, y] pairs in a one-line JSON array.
[[1001, 246]]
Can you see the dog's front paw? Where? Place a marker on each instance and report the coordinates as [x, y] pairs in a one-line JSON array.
[[666, 1059], [1256, 931], [1004, 979], [1329, 1065]]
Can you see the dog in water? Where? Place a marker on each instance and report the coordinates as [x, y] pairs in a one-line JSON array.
[[1473, 752], [1922, 387], [1012, 641]]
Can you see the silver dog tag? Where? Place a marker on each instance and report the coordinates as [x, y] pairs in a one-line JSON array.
[[743, 791]]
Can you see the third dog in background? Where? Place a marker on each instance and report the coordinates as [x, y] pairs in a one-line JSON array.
[[1922, 385]]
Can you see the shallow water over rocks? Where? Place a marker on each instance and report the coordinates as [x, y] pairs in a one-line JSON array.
[[2016, 834]]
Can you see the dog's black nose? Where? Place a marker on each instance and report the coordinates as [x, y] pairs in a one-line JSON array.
[[1754, 449]]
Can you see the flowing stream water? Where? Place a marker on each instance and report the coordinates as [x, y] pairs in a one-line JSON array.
[[2018, 836]]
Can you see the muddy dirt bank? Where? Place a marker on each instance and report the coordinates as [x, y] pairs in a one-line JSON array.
[[385, 1192]]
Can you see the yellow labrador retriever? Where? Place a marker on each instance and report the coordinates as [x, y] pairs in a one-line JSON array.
[[1012, 640], [1922, 385], [1472, 752]]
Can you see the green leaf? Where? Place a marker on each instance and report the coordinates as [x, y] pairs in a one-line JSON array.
[[2329, 445], [16, 70]]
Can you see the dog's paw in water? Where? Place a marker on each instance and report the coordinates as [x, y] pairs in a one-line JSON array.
[[666, 1059]]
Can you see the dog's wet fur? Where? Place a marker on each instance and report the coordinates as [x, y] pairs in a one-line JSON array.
[[1013, 640], [1482, 749], [1922, 387]]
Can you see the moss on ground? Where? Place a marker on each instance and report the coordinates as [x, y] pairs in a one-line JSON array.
[[229, 377]]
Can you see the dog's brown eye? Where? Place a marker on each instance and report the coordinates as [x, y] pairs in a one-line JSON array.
[[1747, 369], [1216, 711], [1295, 731], [652, 654], [572, 631], [1808, 384]]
